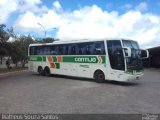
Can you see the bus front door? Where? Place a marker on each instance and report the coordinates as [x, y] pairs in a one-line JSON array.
[[116, 59]]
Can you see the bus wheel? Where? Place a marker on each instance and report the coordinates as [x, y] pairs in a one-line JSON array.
[[99, 76], [47, 71], [40, 70]]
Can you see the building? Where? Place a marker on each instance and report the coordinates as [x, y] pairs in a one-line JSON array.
[[154, 58]]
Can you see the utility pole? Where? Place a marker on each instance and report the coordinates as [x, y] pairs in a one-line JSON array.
[[43, 28]]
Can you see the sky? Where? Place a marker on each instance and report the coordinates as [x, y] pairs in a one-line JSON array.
[[85, 19]]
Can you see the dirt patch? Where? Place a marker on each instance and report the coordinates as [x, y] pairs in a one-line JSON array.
[[5, 70]]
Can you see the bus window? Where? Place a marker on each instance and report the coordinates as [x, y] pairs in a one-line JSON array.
[[32, 50], [90, 48], [65, 49], [85, 48], [46, 50], [99, 48], [53, 50], [42, 52], [115, 54], [72, 50], [80, 49], [60, 49], [37, 52]]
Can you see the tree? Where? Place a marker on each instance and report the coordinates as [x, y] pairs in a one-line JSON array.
[[16, 49], [15, 52], [20, 46], [25, 41], [47, 40], [4, 36]]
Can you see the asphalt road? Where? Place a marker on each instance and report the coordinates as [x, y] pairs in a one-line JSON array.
[[26, 92]]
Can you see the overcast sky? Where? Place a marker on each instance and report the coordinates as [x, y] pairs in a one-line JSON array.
[[79, 19]]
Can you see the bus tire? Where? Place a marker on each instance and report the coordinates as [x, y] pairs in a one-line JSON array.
[[99, 76], [47, 71], [40, 70]]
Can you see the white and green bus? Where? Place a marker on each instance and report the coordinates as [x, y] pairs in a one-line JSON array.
[[101, 59]]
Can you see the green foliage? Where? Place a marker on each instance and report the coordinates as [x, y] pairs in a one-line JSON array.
[[17, 49], [4, 36], [47, 40], [20, 49]]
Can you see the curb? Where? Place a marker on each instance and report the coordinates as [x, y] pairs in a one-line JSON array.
[[10, 73]]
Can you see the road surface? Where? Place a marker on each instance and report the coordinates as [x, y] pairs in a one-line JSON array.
[[26, 92]]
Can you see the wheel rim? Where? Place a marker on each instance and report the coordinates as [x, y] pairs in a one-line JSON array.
[[100, 76]]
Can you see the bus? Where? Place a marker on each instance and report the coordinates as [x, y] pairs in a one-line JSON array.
[[99, 59]]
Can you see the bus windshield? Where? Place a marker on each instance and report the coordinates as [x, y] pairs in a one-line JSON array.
[[134, 62]]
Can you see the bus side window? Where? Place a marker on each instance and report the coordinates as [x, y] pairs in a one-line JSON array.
[[56, 50], [85, 49], [65, 50], [103, 48], [32, 50], [69, 49], [88, 48], [46, 50], [73, 49], [59, 49], [79, 49], [99, 48], [82, 49], [92, 47], [38, 50], [53, 50]]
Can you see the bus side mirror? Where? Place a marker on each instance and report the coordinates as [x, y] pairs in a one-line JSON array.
[[144, 54], [127, 52]]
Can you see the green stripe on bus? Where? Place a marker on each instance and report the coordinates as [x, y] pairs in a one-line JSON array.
[[83, 59], [72, 59], [103, 59], [35, 58], [44, 59], [54, 59], [57, 65], [38, 59]]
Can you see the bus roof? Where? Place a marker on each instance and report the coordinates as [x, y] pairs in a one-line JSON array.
[[76, 41]]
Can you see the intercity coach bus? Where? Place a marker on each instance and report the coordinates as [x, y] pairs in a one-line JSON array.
[[101, 59]]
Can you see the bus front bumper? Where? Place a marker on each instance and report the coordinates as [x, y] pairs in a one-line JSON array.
[[131, 77]]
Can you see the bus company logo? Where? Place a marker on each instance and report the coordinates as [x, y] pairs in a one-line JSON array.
[[150, 117], [88, 60], [100, 59], [33, 58]]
